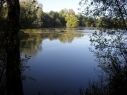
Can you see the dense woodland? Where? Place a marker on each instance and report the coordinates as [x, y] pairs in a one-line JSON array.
[[32, 15]]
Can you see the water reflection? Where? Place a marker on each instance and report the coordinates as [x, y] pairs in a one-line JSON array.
[[12, 63], [63, 65], [111, 53], [33, 44]]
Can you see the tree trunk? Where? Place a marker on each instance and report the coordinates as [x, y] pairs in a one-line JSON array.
[[13, 75]]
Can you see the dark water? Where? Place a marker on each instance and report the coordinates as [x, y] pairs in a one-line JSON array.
[[59, 62], [62, 61]]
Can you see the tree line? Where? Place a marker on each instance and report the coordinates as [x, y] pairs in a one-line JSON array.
[[32, 16]]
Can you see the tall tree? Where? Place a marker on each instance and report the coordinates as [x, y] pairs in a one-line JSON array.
[[72, 21], [13, 73], [64, 12], [30, 13], [39, 15], [48, 21]]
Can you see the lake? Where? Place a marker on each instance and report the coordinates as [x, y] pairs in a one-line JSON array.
[[61, 61]]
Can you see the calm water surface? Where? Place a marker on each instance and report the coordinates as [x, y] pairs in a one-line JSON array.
[[60, 61]]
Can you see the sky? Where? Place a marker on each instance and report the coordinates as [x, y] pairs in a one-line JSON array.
[[57, 5]]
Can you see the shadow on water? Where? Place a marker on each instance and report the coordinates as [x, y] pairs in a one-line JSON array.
[[11, 66], [111, 53]]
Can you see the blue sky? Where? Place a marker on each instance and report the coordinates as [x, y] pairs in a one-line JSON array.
[[57, 5]]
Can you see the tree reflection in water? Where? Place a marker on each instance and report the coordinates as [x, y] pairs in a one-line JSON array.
[[111, 53], [32, 43]]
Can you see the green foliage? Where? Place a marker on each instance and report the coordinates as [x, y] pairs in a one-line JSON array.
[[64, 12], [109, 9], [81, 19], [72, 21], [30, 13], [109, 22], [47, 20], [57, 22], [104, 22], [90, 22], [56, 18]]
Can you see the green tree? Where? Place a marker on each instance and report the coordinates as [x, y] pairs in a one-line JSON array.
[[30, 13], [47, 20], [81, 19], [58, 22], [72, 21], [63, 13], [90, 22], [56, 18], [39, 13], [12, 48], [105, 22]]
